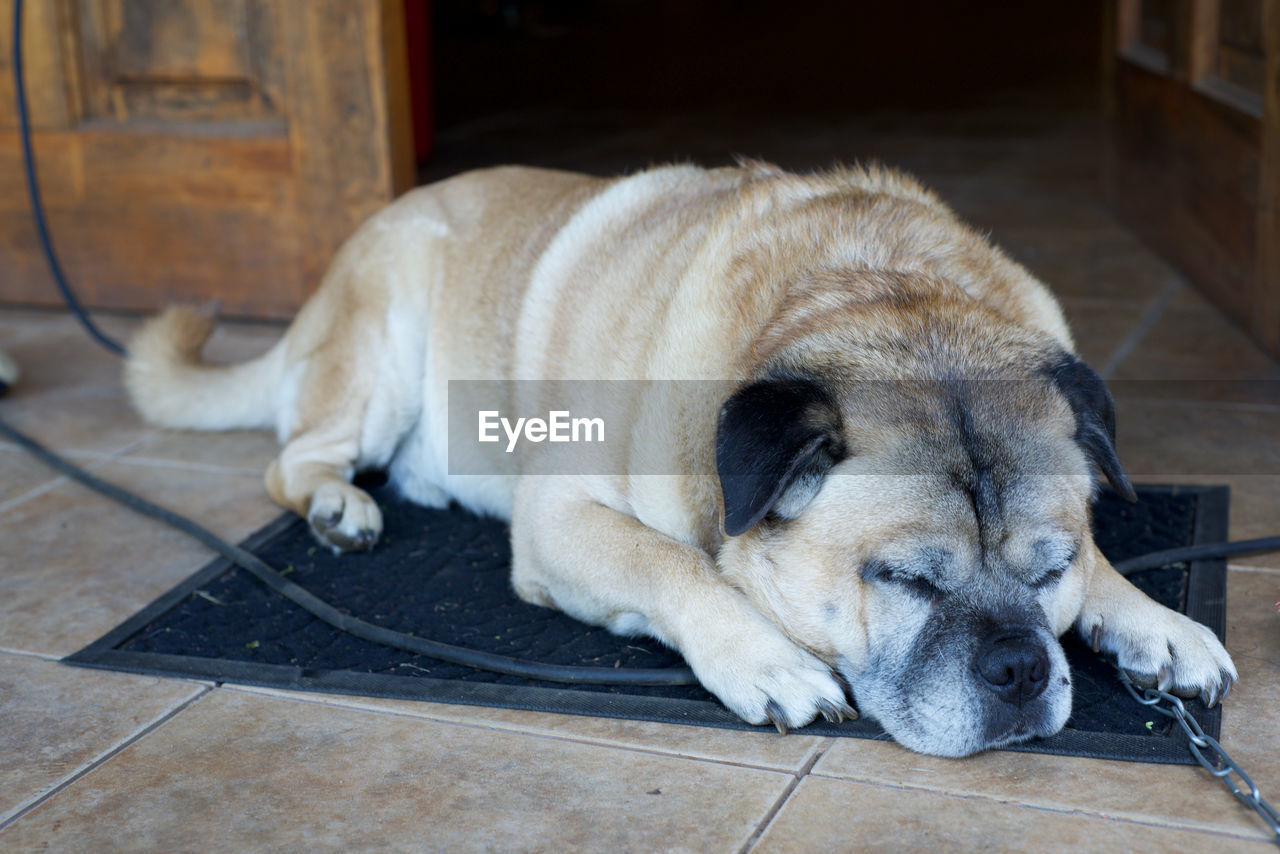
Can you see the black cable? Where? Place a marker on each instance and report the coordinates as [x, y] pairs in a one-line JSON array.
[[1185, 554], [345, 622], [33, 190]]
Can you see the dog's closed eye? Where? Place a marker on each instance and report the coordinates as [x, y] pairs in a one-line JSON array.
[[882, 572], [1053, 576], [1053, 559]]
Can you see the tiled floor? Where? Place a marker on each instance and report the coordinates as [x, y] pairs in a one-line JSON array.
[[93, 761]]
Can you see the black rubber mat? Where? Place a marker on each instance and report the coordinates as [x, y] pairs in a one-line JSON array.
[[443, 574]]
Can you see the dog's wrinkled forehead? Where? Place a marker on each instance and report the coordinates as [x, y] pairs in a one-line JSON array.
[[998, 447], [982, 472]]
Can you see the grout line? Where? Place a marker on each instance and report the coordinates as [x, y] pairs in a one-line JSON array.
[[1080, 812], [88, 460], [772, 813], [45, 487], [1103, 302], [93, 764], [203, 468], [1194, 403], [26, 653], [1149, 317], [509, 729], [1245, 567]]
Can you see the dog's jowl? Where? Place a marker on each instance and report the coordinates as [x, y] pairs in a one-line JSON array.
[[886, 502]]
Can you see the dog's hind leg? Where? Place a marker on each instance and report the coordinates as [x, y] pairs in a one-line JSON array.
[[338, 429], [312, 476]]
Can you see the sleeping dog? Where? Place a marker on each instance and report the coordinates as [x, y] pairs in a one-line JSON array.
[[887, 499]]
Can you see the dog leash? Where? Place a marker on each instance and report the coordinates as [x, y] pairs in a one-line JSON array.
[[1207, 751]]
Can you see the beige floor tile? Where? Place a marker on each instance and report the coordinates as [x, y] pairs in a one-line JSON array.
[[1251, 715], [1152, 794], [21, 476], [90, 420], [1192, 342], [238, 772], [76, 564], [763, 748], [61, 355], [1185, 796], [1100, 326], [1171, 438], [69, 396], [19, 324], [1001, 205], [839, 815], [1104, 262], [58, 719], [240, 451]]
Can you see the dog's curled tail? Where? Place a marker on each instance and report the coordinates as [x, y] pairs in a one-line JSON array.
[[172, 386]]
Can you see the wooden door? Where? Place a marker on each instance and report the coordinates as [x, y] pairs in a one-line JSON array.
[[1193, 108], [200, 149]]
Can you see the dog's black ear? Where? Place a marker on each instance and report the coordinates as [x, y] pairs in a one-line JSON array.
[[775, 440], [1095, 419]]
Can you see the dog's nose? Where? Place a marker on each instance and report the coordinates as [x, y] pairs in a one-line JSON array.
[[1015, 667]]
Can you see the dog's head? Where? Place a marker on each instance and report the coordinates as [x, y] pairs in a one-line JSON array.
[[918, 517]]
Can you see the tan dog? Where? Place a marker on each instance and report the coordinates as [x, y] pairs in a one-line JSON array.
[[892, 492]]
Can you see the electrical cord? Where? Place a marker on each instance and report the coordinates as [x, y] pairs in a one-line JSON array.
[[1186, 554], [33, 190]]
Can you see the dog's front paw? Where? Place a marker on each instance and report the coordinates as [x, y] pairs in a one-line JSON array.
[[344, 518], [765, 678], [1163, 649]]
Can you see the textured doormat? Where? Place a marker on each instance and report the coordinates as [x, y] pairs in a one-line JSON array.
[[443, 574]]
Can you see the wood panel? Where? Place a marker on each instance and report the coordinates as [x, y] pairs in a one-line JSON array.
[[1194, 154], [161, 60], [1265, 297], [1240, 57], [53, 103], [202, 149]]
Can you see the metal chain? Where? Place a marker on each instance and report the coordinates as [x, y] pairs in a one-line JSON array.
[[1207, 751]]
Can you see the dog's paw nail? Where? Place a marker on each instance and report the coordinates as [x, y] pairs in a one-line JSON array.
[[850, 713], [830, 711], [1095, 637], [1140, 680], [774, 713], [1227, 682], [1164, 678]]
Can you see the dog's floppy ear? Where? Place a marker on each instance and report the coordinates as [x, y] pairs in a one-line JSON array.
[[775, 440], [1095, 419]]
